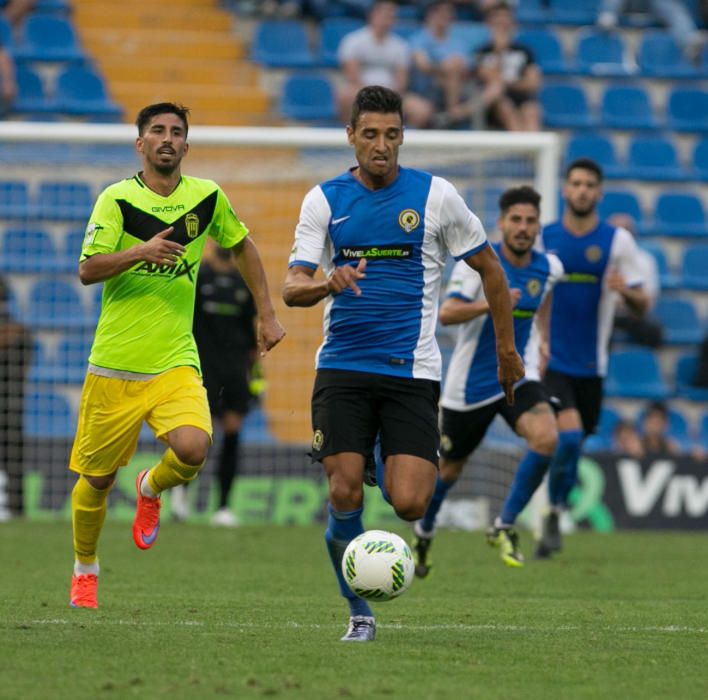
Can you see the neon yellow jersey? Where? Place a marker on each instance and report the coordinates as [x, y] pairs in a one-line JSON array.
[[146, 313]]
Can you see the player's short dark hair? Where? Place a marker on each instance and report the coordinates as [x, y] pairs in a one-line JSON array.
[[434, 4], [519, 195], [584, 164], [147, 113], [375, 98]]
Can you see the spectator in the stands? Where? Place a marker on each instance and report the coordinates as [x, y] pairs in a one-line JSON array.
[[643, 330], [374, 55], [8, 86], [16, 10], [654, 431], [675, 14], [509, 75], [441, 67], [626, 440]]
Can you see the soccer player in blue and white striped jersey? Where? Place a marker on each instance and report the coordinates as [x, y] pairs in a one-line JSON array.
[[382, 234]]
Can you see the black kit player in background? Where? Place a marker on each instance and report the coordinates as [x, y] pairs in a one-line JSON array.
[[224, 329]]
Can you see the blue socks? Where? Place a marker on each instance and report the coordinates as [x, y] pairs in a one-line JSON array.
[[380, 470], [528, 478], [427, 524], [564, 467], [342, 528]]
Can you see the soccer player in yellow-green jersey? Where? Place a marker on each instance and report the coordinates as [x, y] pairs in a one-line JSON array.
[[145, 241]]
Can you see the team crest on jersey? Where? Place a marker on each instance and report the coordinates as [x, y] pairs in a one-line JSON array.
[[533, 287], [317, 440], [408, 219], [191, 222], [593, 253]]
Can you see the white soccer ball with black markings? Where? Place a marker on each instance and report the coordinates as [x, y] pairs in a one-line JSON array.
[[378, 565]]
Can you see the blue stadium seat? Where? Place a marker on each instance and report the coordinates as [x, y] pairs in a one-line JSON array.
[[40, 367], [678, 427], [65, 201], [332, 31], [48, 38], [687, 110], [626, 108], [686, 367], [5, 34], [654, 158], [282, 44], [667, 278], [703, 431], [660, 56], [679, 214], [566, 107], [546, 49], [679, 320], [700, 159], [256, 429], [602, 54], [601, 439], [82, 92], [14, 200], [472, 35], [620, 202], [582, 12], [27, 251], [31, 95], [68, 259], [72, 358], [694, 267], [48, 415], [55, 303], [308, 97], [598, 147], [634, 374], [532, 12]]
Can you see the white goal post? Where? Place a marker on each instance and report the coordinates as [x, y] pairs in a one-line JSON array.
[[266, 173]]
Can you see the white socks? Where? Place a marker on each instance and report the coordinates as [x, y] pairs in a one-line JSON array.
[[81, 569]]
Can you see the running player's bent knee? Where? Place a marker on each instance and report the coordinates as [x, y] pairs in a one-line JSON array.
[[410, 509], [545, 442], [193, 453], [345, 496]]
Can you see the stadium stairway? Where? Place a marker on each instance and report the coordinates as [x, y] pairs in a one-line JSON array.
[[181, 50]]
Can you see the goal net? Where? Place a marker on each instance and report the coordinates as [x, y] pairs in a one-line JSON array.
[[46, 196]]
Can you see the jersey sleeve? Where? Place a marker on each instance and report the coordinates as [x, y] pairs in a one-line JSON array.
[[462, 231], [624, 257], [465, 283], [311, 230], [105, 227], [227, 229], [556, 270]]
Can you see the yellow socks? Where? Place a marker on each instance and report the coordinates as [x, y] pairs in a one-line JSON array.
[[170, 472], [88, 511]]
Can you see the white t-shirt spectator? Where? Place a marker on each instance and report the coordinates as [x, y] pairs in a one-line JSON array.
[[378, 60]]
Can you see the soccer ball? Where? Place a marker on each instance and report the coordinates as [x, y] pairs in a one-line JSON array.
[[378, 565]]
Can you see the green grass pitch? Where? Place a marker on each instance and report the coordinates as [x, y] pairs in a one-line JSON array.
[[255, 613]]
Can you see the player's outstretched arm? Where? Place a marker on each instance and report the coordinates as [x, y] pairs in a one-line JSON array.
[[301, 289], [157, 250], [496, 290], [249, 264]]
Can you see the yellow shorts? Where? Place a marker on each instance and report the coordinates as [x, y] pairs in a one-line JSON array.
[[112, 412]]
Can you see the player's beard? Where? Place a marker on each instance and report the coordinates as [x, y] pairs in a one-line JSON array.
[[581, 212]]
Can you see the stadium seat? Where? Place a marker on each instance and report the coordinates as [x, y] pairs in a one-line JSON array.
[[14, 200], [602, 54], [679, 320], [566, 107], [686, 367], [703, 431], [31, 95], [654, 158], [65, 201], [678, 427], [626, 108], [667, 278], [332, 31], [620, 202], [472, 35], [308, 97], [546, 49], [71, 358], [40, 367], [532, 12], [660, 56], [679, 214], [700, 159], [601, 439], [68, 259], [82, 92], [48, 415], [634, 374], [581, 12], [47, 37], [598, 147], [27, 251], [282, 44], [694, 267], [256, 429], [687, 110], [5, 34], [55, 303]]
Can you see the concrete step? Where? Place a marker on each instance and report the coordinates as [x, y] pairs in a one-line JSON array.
[[146, 15]]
